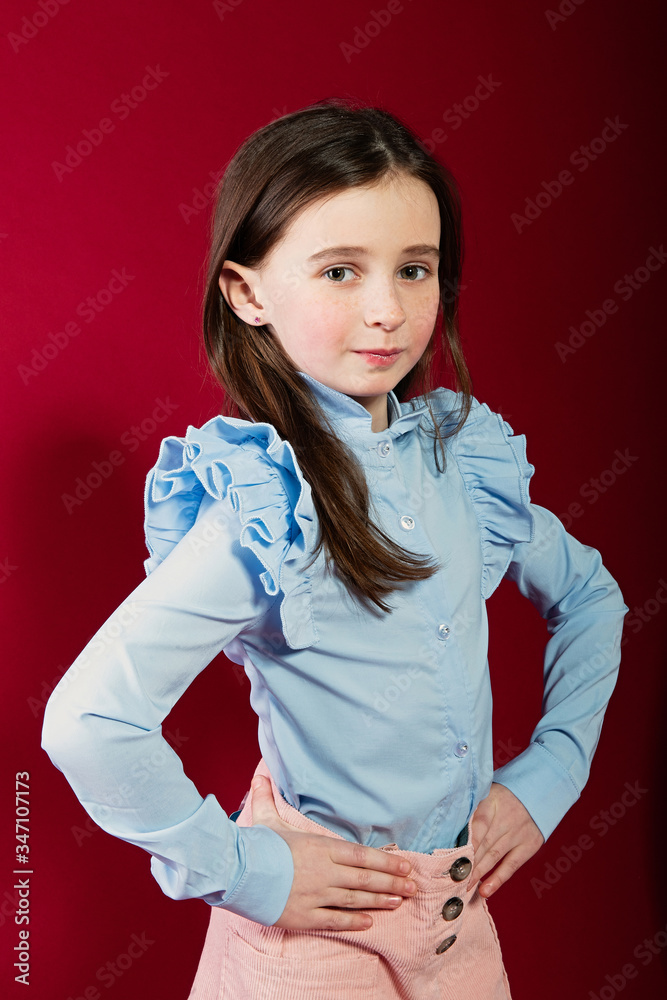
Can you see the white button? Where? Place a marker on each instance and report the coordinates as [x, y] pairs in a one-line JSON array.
[[407, 522], [461, 749], [384, 448], [443, 631]]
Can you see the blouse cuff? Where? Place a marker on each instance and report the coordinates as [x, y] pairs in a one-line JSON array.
[[252, 865], [541, 784], [262, 892]]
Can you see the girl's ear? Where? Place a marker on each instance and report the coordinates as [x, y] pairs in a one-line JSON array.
[[224, 290], [237, 284]]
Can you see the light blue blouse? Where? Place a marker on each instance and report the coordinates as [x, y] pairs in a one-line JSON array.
[[377, 726]]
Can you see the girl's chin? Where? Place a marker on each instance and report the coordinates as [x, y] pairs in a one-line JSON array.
[[356, 377]]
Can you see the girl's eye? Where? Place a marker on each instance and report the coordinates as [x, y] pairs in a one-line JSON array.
[[408, 267], [339, 270], [416, 267]]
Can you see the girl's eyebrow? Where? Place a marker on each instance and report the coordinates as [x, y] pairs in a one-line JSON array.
[[416, 250]]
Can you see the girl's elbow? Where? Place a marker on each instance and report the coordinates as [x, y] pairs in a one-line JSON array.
[[606, 589], [62, 737], [615, 596], [53, 732]]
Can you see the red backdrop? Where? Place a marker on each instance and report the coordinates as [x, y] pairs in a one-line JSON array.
[[118, 119]]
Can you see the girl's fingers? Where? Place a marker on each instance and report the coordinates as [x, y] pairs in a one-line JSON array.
[[369, 883], [370, 873], [501, 875], [485, 860], [356, 899], [363, 858], [340, 920], [335, 879]]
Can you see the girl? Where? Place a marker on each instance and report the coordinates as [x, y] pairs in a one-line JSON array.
[[339, 535]]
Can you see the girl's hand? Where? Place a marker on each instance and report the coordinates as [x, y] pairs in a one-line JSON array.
[[503, 830], [331, 873]]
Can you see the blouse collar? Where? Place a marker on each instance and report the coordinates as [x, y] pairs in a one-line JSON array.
[[352, 420]]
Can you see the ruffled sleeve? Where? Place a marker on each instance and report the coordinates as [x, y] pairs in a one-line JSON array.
[[251, 466], [496, 473]]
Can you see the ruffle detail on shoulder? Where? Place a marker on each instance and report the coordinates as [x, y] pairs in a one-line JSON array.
[[496, 472], [251, 465]]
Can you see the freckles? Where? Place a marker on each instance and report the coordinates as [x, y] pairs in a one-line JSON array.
[[338, 308], [330, 316], [427, 311], [346, 306]]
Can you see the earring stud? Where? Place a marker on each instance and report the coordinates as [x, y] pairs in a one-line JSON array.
[[257, 319]]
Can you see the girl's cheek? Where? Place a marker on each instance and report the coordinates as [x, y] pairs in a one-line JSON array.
[[433, 314]]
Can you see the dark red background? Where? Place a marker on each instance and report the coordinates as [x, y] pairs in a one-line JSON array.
[[122, 208]]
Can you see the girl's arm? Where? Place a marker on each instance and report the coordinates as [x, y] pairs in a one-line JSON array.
[[584, 610], [572, 590], [102, 726]]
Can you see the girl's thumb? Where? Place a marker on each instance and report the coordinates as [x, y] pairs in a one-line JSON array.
[[263, 807]]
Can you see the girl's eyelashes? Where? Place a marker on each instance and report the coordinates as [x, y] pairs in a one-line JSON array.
[[416, 267], [407, 267], [339, 269]]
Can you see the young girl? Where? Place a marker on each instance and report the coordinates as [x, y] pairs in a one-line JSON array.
[[339, 537]]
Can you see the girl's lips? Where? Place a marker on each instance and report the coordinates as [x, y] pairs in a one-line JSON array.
[[381, 360], [382, 350]]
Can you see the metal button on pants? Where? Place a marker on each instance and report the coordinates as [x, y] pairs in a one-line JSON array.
[[440, 944], [460, 869], [452, 908]]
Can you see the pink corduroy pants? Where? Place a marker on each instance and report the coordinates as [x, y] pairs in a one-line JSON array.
[[412, 953]]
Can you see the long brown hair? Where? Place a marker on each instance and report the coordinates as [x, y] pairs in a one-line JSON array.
[[281, 168]]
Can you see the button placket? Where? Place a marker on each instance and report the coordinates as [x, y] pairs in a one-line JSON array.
[[453, 907]]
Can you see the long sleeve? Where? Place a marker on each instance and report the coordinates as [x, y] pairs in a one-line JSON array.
[[102, 726], [584, 610]]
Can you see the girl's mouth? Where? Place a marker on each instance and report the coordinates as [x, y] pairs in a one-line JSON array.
[[383, 358]]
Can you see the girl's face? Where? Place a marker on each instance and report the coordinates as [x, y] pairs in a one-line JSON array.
[[351, 291]]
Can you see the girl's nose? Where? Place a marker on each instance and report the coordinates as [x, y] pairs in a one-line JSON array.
[[383, 306]]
